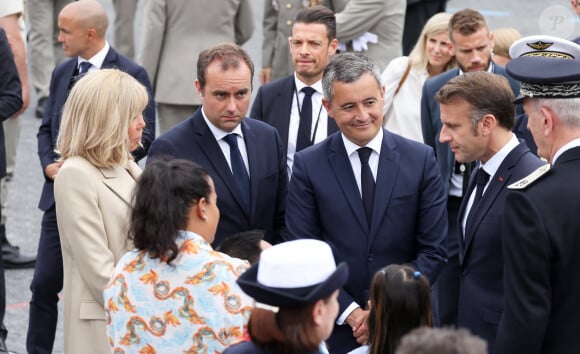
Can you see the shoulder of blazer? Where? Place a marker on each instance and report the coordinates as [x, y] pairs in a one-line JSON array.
[[63, 67], [436, 82], [282, 85], [116, 60], [257, 126]]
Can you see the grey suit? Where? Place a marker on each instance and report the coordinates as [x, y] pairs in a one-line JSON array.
[[44, 51], [124, 27], [175, 32], [385, 18]]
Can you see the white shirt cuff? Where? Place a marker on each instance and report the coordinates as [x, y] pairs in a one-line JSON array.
[[342, 318]]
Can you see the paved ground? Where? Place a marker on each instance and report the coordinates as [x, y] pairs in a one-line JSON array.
[[530, 17]]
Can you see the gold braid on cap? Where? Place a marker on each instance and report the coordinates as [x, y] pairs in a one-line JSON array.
[[563, 90]]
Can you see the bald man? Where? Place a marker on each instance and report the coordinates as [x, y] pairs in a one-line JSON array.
[[82, 26]]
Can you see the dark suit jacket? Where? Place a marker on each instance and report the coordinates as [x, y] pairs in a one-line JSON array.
[[60, 85], [480, 255], [409, 214], [10, 92], [541, 263], [193, 140], [431, 120], [273, 104]]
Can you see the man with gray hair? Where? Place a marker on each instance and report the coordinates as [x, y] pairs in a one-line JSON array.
[[376, 197], [426, 340], [542, 252]]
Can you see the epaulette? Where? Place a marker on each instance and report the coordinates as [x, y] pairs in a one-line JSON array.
[[531, 178]]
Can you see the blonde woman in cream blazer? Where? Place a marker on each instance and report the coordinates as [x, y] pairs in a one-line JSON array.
[[93, 192], [404, 77]]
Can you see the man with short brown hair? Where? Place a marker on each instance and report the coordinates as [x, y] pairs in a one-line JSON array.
[[471, 42]]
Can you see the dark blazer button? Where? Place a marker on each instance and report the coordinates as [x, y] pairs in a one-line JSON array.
[[370, 257]]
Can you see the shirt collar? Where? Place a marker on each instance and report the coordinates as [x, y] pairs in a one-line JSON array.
[[300, 85], [374, 144], [492, 165], [97, 59], [218, 133], [185, 235]]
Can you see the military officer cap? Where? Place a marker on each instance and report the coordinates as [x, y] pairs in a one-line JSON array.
[[546, 66]]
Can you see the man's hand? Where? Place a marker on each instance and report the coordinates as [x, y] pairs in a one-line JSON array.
[[265, 75], [357, 320], [51, 170]]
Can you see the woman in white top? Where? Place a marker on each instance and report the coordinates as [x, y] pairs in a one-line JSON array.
[[404, 77]]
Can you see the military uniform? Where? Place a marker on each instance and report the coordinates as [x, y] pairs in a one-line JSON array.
[[541, 242]]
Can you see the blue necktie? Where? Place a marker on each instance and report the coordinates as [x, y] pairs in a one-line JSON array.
[[367, 182], [84, 67], [304, 129], [239, 169]]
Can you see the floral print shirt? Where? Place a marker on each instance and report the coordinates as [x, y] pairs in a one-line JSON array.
[[191, 306]]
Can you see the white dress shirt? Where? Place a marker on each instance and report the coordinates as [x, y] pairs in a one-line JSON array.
[[219, 135], [319, 126], [351, 150]]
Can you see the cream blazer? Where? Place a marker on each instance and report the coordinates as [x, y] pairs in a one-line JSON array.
[[92, 208], [403, 111]]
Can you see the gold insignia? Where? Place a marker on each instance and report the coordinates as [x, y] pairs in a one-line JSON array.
[[548, 54], [539, 45], [529, 179]]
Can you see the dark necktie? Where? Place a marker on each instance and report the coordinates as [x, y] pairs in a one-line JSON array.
[[80, 71], [481, 180], [367, 182], [84, 67], [304, 129], [239, 169]]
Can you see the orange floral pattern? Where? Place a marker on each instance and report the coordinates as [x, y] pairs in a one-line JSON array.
[[191, 306]]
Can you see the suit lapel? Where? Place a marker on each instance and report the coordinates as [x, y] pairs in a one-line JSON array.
[[283, 100], [461, 215], [342, 169], [385, 181], [255, 164], [214, 154], [116, 180], [497, 183], [111, 60]]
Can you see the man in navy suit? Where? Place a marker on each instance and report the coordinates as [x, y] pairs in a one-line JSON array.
[[471, 43], [244, 157], [375, 197], [280, 103], [82, 33], [10, 103], [477, 115], [542, 253]]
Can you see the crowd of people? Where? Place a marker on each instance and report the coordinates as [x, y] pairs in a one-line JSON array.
[[363, 202]]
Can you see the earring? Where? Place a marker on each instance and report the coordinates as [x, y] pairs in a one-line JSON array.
[[203, 209]]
